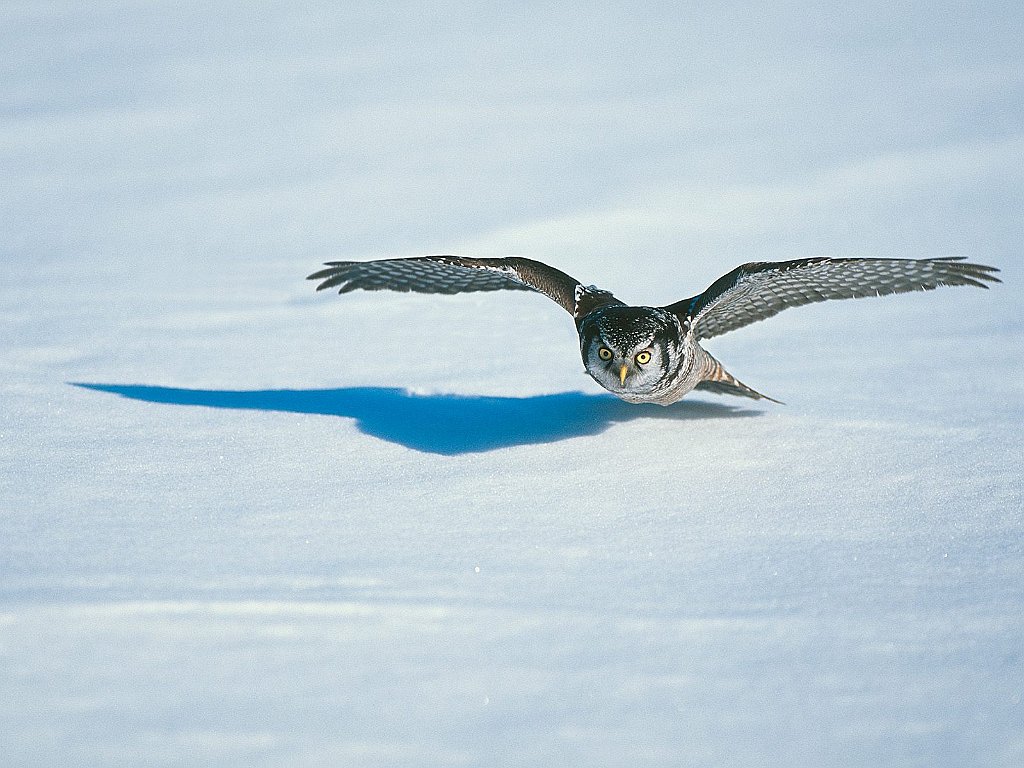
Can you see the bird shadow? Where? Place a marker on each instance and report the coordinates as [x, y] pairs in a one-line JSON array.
[[440, 423]]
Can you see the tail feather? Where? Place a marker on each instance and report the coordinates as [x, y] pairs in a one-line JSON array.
[[721, 382]]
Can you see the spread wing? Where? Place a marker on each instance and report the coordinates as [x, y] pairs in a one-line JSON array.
[[759, 290], [459, 274]]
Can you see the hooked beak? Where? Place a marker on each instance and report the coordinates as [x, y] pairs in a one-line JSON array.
[[623, 373]]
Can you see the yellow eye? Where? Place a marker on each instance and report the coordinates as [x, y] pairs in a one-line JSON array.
[[604, 353], [644, 357]]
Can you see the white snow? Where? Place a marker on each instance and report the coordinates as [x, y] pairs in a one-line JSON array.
[[244, 524]]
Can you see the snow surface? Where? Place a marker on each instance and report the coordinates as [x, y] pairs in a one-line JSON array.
[[243, 524]]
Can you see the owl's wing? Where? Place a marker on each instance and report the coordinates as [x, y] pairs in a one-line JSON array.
[[460, 274], [759, 290]]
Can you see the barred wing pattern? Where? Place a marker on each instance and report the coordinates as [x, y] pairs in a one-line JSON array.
[[759, 290], [450, 274]]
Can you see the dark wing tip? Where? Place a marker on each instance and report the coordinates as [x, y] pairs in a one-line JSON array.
[[335, 274], [961, 272]]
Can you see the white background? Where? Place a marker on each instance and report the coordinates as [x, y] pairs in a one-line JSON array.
[[391, 530]]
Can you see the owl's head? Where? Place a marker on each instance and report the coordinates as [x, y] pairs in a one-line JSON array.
[[631, 350]]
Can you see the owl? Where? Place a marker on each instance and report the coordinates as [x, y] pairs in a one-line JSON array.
[[653, 354]]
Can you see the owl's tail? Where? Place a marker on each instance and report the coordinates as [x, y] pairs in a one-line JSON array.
[[721, 382]]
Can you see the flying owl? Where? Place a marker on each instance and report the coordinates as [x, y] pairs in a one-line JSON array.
[[653, 354]]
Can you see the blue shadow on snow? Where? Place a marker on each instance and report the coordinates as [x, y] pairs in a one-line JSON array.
[[442, 424]]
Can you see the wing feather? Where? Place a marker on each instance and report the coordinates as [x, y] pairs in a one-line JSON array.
[[451, 274], [759, 290]]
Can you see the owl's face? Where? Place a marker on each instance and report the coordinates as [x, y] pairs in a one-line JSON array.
[[631, 350]]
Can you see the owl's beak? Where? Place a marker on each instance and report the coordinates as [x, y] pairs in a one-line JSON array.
[[623, 373]]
